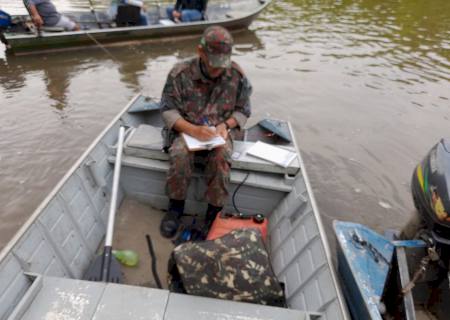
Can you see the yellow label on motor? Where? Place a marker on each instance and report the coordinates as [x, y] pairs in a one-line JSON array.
[[420, 176]]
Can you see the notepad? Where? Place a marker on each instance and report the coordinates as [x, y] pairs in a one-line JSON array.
[[194, 144], [279, 156]]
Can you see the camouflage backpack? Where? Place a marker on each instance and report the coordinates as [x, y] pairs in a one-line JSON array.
[[233, 267]]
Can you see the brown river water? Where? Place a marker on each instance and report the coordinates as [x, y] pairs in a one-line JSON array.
[[365, 83]]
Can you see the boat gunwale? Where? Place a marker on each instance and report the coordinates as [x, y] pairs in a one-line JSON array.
[[322, 233]]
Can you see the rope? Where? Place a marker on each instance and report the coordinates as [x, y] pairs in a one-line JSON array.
[[102, 47], [417, 275]]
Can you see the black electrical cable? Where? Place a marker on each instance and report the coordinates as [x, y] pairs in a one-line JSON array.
[[235, 192], [153, 256]]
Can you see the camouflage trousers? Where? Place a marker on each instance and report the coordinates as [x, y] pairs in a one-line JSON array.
[[217, 171]]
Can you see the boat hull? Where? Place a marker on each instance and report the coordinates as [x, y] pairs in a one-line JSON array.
[[62, 236], [363, 276], [22, 43]]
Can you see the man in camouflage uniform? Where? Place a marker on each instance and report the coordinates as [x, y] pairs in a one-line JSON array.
[[203, 97]]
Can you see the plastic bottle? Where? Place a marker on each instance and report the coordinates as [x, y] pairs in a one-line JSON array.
[[128, 258]]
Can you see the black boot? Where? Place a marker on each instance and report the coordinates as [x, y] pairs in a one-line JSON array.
[[211, 214], [171, 221]]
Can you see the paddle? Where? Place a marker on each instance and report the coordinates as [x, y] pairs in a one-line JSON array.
[[106, 268], [95, 14]]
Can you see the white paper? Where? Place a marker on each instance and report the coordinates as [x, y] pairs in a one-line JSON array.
[[195, 144], [279, 156], [166, 22]]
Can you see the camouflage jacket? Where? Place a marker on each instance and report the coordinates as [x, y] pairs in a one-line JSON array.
[[188, 94], [233, 267]]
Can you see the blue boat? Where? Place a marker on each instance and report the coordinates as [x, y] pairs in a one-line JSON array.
[[374, 270]]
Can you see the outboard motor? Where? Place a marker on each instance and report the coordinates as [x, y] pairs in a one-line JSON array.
[[431, 192]]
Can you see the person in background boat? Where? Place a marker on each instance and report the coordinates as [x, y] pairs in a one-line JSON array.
[[203, 92], [187, 10], [44, 13], [137, 3]]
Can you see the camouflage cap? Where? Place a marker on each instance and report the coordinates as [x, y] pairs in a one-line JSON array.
[[218, 43]]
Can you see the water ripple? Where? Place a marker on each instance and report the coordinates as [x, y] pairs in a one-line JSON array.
[[399, 34], [364, 82]]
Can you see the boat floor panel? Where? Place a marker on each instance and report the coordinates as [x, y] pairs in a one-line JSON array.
[[133, 222]]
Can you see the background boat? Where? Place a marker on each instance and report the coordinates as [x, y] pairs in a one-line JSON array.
[[100, 28]]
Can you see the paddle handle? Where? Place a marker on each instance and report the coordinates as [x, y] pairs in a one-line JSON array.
[[115, 187], [106, 263]]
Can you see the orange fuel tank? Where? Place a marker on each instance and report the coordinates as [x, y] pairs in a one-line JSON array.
[[225, 224]]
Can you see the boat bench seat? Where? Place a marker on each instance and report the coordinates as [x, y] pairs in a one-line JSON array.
[[258, 179], [146, 141], [52, 29], [55, 298]]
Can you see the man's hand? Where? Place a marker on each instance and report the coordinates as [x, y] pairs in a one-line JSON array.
[[221, 130], [204, 133], [37, 20], [176, 14]]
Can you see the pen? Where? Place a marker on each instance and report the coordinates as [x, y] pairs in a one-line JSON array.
[[205, 121]]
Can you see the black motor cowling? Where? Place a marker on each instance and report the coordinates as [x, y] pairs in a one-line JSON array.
[[431, 191]]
